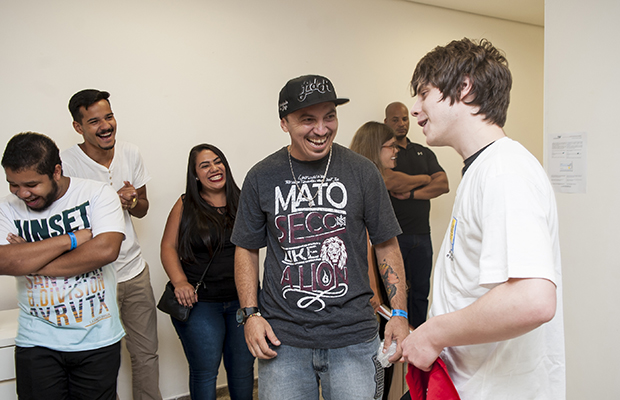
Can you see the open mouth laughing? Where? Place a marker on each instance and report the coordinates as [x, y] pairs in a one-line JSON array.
[[216, 178], [318, 142], [106, 135]]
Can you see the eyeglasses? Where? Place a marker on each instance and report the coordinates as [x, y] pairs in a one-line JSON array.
[[391, 146]]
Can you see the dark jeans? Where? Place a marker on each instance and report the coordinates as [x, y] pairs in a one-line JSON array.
[[211, 331], [47, 374], [417, 251]]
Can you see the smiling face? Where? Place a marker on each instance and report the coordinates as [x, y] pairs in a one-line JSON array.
[[436, 116], [312, 131], [98, 126], [210, 171], [36, 190], [388, 152]]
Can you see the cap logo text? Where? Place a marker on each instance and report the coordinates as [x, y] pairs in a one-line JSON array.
[[284, 106], [309, 87]]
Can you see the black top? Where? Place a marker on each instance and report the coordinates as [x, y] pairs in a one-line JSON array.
[[413, 214], [469, 160], [220, 279]]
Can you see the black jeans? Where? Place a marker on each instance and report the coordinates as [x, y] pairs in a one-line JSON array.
[[47, 374]]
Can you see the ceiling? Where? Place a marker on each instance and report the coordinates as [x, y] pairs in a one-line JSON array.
[[525, 11]]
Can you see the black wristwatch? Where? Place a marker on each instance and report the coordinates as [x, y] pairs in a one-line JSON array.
[[244, 313]]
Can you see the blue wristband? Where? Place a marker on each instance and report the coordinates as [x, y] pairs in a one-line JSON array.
[[399, 313], [73, 240]]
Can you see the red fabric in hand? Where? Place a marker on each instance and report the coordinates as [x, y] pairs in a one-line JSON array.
[[433, 385]]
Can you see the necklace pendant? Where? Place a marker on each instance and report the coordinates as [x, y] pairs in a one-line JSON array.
[[310, 201]]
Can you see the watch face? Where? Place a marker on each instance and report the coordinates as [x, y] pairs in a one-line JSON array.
[[240, 316]]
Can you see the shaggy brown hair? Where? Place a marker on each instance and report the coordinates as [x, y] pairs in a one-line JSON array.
[[446, 67]]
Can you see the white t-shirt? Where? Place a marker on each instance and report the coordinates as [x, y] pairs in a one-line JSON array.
[[504, 225], [127, 165], [74, 313]]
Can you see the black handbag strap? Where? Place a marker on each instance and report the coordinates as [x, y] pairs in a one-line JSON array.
[[200, 282]]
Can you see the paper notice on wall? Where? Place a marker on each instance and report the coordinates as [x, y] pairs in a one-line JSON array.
[[567, 163]]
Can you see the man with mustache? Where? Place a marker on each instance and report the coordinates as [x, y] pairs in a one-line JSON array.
[[101, 157], [59, 237], [416, 180], [312, 326]]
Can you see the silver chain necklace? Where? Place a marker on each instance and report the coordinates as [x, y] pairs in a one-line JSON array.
[[290, 163]]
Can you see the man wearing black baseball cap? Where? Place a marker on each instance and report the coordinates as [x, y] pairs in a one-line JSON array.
[[311, 203]]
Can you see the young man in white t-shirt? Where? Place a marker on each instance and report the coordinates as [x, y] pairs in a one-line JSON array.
[[496, 318], [119, 164], [59, 237]]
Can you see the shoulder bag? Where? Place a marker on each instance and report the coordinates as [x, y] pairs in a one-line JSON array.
[[168, 302]]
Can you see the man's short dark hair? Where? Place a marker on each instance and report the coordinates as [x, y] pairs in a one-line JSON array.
[[85, 98], [446, 67], [31, 150]]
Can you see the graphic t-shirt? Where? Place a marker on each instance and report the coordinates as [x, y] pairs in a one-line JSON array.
[[73, 313], [315, 289]]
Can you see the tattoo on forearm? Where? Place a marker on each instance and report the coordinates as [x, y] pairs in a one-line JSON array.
[[390, 278]]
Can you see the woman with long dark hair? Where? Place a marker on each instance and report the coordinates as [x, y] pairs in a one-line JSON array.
[[197, 235]]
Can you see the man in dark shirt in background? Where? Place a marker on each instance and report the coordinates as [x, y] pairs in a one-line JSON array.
[[417, 178]]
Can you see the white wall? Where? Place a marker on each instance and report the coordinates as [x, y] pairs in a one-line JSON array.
[[581, 95], [193, 71]]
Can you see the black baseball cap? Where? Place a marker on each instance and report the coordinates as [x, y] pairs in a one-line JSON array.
[[306, 91]]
